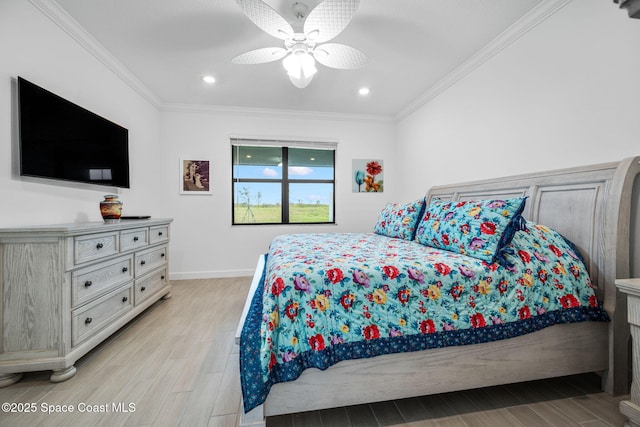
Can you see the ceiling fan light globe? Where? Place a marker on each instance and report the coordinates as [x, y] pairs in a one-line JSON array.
[[292, 64], [300, 65], [301, 82], [308, 65], [295, 74]]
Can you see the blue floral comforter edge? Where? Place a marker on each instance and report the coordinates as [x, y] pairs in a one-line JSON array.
[[256, 382]]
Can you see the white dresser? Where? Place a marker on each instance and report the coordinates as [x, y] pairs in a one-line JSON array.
[[65, 288]]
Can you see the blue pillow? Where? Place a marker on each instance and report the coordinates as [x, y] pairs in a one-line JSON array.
[[481, 229], [399, 220], [545, 244]]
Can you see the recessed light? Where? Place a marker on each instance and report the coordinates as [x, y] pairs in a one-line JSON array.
[[209, 79], [364, 91]]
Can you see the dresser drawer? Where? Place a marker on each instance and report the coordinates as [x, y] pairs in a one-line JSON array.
[[89, 282], [91, 318], [132, 239], [150, 284], [95, 246], [150, 259], [159, 234]]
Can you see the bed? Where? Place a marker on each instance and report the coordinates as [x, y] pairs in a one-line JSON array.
[[596, 208]]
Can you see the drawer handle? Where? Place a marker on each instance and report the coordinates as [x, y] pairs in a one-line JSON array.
[[142, 289], [161, 277], [162, 255], [88, 283], [159, 233], [99, 246], [135, 239], [88, 320], [125, 299], [125, 269], [143, 262]]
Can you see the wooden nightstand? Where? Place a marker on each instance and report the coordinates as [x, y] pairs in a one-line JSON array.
[[631, 408]]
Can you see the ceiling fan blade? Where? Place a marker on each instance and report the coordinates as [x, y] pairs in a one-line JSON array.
[[336, 55], [265, 17], [260, 56], [329, 18]]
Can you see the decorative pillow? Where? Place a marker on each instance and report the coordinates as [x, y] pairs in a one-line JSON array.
[[547, 245], [399, 220], [481, 229]]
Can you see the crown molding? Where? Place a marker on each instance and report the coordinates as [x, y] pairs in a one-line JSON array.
[[60, 17], [52, 10], [525, 24], [274, 113]]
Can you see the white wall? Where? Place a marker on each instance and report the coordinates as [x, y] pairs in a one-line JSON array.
[[204, 243], [564, 94], [33, 47], [561, 95]]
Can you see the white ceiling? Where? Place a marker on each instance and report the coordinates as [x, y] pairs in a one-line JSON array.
[[412, 45]]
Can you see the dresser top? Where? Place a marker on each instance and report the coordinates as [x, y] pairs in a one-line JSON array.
[[84, 227], [629, 286]]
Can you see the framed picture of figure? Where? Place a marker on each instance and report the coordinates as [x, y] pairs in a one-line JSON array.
[[195, 175]]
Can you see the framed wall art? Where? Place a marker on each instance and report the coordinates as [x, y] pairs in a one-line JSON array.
[[367, 176], [195, 175]]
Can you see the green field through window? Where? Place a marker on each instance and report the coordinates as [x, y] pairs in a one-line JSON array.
[[282, 185]]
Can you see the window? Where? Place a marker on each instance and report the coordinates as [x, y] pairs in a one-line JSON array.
[[274, 183]]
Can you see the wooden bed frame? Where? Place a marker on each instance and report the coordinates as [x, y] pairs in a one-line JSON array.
[[598, 208]]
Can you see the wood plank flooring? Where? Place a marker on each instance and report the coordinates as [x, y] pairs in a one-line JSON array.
[[177, 365]]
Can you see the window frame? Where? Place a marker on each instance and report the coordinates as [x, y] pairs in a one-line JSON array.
[[284, 182]]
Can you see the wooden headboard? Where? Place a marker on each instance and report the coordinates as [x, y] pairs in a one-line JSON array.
[[597, 207]]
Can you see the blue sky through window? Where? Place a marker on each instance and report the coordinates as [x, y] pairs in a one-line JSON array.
[[270, 192]]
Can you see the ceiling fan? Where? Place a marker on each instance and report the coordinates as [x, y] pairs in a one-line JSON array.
[[306, 45]]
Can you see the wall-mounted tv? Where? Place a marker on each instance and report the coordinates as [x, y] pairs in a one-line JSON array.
[[61, 140]]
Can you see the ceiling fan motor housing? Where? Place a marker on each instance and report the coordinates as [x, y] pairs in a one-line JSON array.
[[300, 10], [299, 43]]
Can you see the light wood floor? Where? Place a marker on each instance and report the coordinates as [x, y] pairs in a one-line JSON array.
[[178, 365]]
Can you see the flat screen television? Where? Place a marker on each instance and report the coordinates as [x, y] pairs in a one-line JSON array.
[[61, 140]]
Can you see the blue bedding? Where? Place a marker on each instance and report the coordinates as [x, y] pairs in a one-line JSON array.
[[324, 298]]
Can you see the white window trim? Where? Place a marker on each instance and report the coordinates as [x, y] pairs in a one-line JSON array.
[[284, 142]]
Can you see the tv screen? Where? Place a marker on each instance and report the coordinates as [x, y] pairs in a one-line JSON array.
[[61, 140]]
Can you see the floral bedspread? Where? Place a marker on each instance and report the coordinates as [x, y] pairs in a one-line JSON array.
[[331, 297]]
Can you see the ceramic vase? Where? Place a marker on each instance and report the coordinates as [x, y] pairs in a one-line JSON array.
[[111, 208]]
